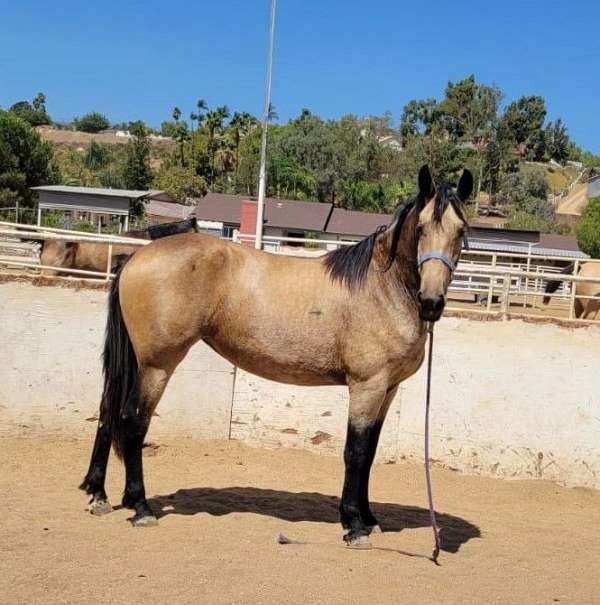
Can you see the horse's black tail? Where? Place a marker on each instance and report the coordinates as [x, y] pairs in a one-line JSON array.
[[120, 393], [552, 285]]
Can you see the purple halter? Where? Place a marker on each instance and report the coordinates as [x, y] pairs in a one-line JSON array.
[[436, 256]]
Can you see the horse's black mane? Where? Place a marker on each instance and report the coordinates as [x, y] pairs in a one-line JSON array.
[[165, 229], [350, 264]]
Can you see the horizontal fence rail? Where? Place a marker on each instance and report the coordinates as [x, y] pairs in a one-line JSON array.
[[503, 283]]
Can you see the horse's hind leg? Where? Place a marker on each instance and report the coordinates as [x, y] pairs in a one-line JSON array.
[[365, 509], [134, 426], [93, 483], [363, 431]]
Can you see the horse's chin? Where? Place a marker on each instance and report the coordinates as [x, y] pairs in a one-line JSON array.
[[431, 316]]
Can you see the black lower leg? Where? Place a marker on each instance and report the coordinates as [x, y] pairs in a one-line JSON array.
[[93, 482], [356, 456], [365, 509], [134, 496]]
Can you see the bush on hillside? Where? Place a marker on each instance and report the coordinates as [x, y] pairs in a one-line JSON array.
[[588, 230], [91, 122]]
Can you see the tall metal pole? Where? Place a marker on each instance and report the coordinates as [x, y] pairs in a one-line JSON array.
[[262, 179]]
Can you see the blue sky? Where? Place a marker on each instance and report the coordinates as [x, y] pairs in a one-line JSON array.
[[135, 60]]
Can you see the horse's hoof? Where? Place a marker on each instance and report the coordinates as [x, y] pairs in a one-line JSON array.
[[144, 521], [100, 507], [375, 529], [357, 542]]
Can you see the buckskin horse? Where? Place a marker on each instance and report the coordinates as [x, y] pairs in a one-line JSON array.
[[356, 316]]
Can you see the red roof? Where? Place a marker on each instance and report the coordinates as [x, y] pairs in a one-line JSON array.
[[560, 242], [287, 214], [355, 222]]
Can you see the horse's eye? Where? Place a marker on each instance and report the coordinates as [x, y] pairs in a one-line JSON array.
[[419, 230]]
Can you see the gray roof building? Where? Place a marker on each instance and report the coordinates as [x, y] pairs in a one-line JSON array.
[[95, 200]]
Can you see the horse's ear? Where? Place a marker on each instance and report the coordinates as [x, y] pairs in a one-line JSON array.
[[465, 186], [426, 189]]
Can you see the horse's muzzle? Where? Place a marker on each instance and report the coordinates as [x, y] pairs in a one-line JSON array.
[[431, 309]]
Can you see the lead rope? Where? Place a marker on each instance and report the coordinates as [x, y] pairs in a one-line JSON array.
[[434, 525]]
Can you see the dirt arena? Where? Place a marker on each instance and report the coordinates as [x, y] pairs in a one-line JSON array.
[[222, 506]]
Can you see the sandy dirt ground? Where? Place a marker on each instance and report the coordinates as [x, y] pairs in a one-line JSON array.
[[222, 506]]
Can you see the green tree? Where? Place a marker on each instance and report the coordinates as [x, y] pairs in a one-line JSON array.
[[214, 122], [240, 125], [525, 194], [469, 110], [39, 102], [35, 112], [418, 117], [524, 119], [272, 115], [557, 141], [91, 122], [97, 156], [182, 183], [168, 128], [137, 173], [25, 160], [181, 134], [588, 230]]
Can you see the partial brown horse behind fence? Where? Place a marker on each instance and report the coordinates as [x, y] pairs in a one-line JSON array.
[[585, 308], [354, 317], [94, 257]]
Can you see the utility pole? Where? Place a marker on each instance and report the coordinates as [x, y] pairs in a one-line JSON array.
[[262, 179]]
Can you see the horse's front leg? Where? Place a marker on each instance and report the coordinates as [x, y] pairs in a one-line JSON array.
[[366, 400], [365, 509]]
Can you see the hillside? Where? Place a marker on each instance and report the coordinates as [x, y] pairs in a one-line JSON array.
[[74, 138]]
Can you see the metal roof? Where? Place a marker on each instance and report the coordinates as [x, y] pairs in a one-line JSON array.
[[168, 209], [524, 249], [130, 194]]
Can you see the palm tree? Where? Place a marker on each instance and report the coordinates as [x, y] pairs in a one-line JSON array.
[[272, 114], [240, 125], [214, 125], [176, 114], [202, 106]]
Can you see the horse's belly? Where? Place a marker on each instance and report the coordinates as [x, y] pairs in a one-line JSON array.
[[287, 366]]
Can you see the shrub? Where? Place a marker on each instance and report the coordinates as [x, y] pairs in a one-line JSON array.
[[588, 230], [91, 122]]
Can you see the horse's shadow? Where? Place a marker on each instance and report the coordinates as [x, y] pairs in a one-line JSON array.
[[306, 506]]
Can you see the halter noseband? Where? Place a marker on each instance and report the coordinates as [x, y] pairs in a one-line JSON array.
[[436, 256]]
